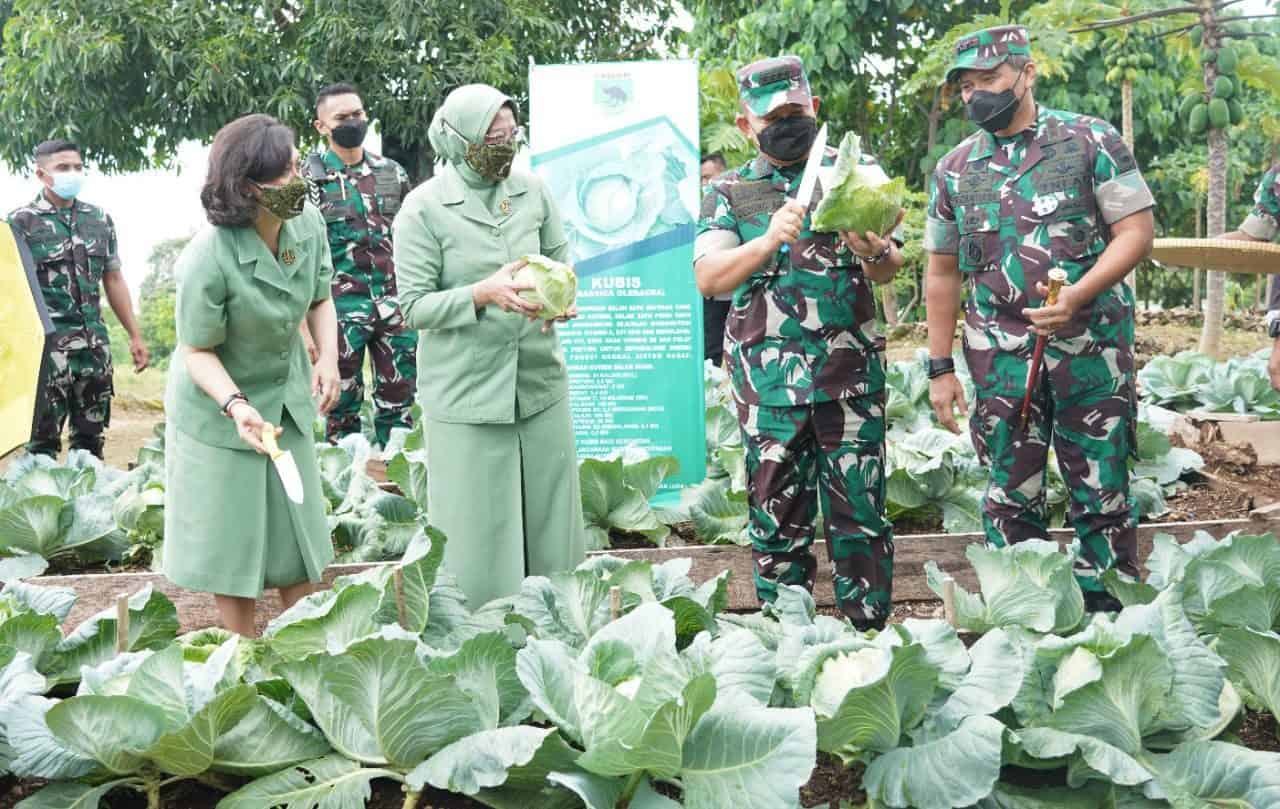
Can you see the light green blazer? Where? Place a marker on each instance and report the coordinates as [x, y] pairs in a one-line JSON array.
[[486, 366], [237, 299]]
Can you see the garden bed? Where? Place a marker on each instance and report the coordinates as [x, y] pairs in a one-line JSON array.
[[97, 591]]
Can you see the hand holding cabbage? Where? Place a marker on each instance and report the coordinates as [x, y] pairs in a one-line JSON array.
[[535, 286], [551, 285], [862, 199]]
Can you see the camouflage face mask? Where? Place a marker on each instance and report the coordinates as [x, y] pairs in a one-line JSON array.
[[284, 201], [492, 161]]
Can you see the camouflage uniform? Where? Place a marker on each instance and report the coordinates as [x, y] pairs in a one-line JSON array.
[[1263, 224], [807, 370], [72, 249], [1011, 209], [359, 203]]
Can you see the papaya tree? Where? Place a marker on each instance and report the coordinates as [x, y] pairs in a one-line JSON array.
[[1208, 111]]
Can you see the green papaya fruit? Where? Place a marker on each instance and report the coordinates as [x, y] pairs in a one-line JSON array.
[[1197, 35], [1208, 55], [1188, 104], [1199, 120], [1113, 75], [1223, 88], [1227, 61], [1219, 114], [1131, 73], [1236, 111], [1150, 61]]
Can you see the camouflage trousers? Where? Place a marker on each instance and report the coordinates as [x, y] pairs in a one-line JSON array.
[[828, 455], [78, 389], [1092, 434], [393, 353]]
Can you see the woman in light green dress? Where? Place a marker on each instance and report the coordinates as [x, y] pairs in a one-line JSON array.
[[503, 482], [244, 285]]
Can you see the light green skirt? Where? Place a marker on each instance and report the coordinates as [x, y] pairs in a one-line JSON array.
[[229, 528], [506, 497]]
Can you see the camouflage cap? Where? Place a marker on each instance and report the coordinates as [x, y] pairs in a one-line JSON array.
[[768, 84], [989, 48]]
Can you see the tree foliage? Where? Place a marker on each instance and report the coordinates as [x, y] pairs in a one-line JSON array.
[[132, 79]]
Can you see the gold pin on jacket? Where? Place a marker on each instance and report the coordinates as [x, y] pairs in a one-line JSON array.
[[288, 257], [505, 205]]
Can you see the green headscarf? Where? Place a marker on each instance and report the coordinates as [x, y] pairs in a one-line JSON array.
[[463, 120]]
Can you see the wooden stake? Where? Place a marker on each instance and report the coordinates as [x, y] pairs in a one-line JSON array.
[[949, 600], [402, 611], [122, 623], [615, 603]]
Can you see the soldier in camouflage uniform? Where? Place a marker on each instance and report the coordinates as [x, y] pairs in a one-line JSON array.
[[1263, 225], [1037, 189], [360, 193], [73, 245], [804, 357]]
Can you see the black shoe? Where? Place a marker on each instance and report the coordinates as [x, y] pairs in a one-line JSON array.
[[1101, 602]]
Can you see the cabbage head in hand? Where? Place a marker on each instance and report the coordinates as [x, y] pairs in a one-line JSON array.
[[555, 286], [861, 198]]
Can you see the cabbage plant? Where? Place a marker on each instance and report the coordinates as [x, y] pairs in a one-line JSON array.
[[861, 198], [555, 286], [1027, 585], [58, 511], [141, 721]]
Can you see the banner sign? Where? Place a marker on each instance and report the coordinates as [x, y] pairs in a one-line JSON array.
[[616, 145]]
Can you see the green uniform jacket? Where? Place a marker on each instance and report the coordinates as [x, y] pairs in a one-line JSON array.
[[234, 297], [477, 366]]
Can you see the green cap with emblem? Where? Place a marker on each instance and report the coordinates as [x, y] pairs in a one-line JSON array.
[[771, 83], [989, 48]]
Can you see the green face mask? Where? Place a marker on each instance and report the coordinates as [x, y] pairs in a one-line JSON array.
[[492, 161], [284, 201]]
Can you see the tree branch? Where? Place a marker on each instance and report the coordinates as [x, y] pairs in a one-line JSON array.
[[1247, 34], [1148, 15], [1172, 31], [1229, 20]]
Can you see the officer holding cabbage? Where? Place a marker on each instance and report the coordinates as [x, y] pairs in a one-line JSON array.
[[802, 350], [1038, 192], [477, 253]]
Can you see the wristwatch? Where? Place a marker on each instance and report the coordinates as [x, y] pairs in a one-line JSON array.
[[880, 257], [936, 367], [1273, 323]]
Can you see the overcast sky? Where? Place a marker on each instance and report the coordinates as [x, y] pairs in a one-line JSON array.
[[151, 206]]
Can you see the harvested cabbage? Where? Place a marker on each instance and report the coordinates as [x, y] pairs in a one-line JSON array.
[[555, 287], [861, 198]]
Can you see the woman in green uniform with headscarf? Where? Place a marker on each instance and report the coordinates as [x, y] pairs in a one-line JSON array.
[[240, 372], [492, 383]]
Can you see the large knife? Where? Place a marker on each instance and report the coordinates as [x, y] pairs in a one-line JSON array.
[[286, 467], [809, 179]]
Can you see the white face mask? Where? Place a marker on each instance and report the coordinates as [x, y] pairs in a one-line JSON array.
[[67, 184]]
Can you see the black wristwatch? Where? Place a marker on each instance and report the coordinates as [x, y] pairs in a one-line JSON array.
[[939, 367], [1273, 326]]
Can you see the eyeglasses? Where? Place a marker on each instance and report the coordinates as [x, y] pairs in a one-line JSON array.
[[514, 135]]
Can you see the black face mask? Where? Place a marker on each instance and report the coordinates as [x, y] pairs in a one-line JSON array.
[[788, 139], [350, 134], [994, 111]]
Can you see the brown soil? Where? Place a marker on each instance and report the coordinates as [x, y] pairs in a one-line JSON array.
[[1202, 502], [190, 795], [832, 783], [1259, 731]]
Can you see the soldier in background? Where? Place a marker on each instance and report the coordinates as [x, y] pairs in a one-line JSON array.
[[1036, 189], [1263, 225], [360, 193], [715, 310], [805, 362], [73, 245]]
